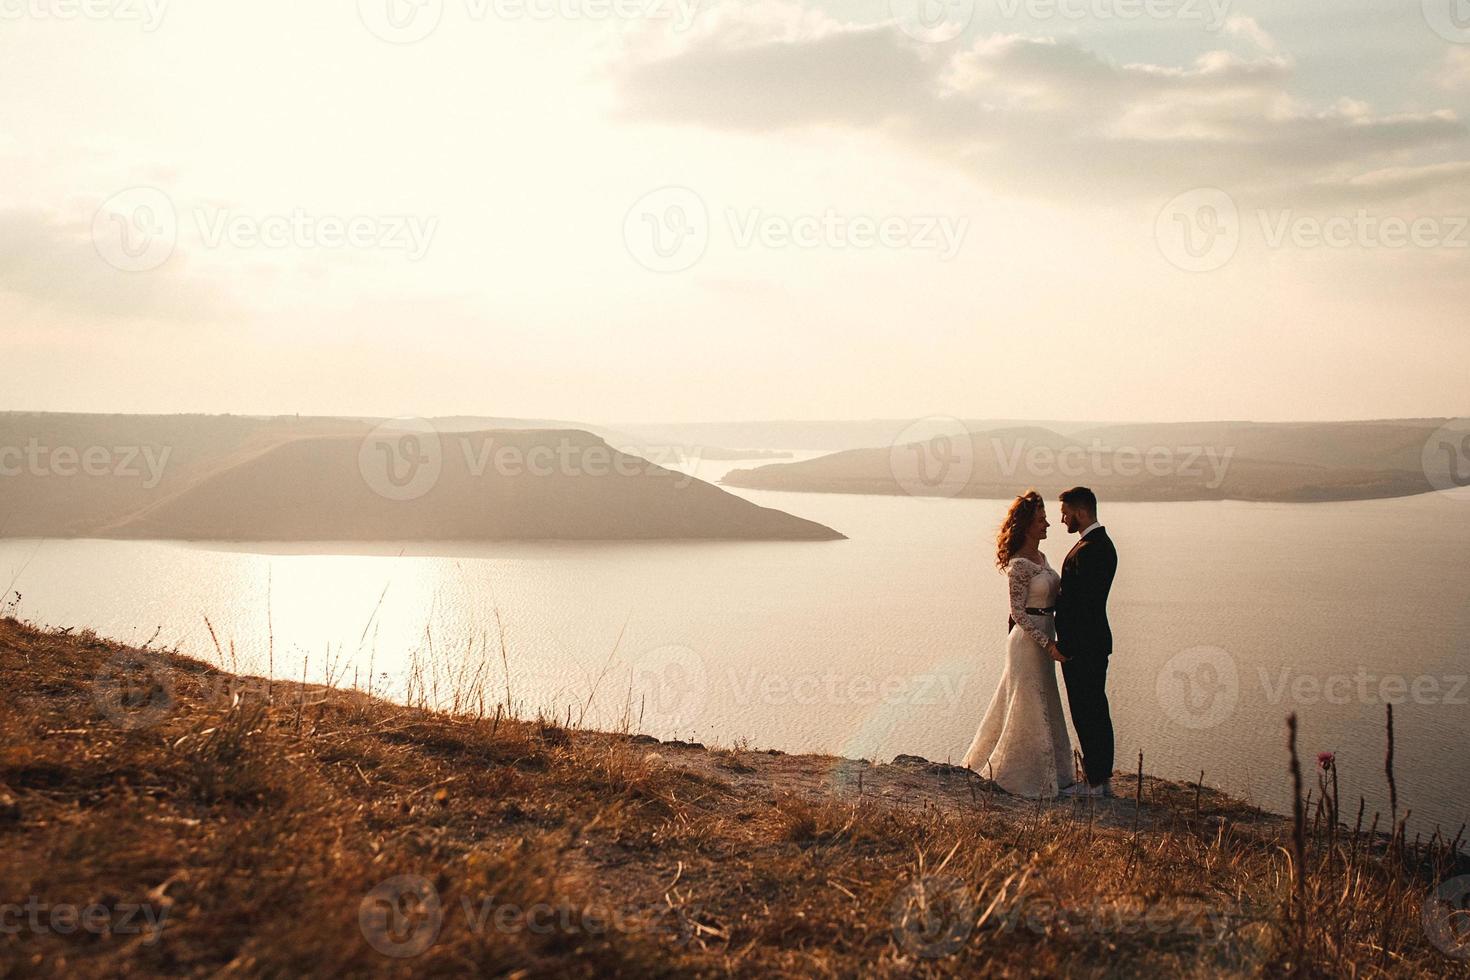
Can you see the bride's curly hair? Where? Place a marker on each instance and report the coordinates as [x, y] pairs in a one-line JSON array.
[[1013, 528]]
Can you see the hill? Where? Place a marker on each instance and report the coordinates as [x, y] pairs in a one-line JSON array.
[[1295, 462], [318, 479], [209, 824]]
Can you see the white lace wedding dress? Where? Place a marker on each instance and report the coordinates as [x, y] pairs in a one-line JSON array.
[[1022, 743]]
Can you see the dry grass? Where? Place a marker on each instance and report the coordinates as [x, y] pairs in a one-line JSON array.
[[261, 824]]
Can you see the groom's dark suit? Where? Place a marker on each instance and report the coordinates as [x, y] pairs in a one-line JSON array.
[[1086, 641]]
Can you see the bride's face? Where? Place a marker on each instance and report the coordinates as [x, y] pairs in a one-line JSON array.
[[1039, 524]]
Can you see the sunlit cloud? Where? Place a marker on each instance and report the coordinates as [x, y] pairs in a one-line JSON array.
[[1042, 116]]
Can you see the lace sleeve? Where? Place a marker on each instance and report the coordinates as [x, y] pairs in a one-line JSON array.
[[1020, 574]]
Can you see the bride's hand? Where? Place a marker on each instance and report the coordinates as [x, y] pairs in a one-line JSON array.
[[1055, 652]]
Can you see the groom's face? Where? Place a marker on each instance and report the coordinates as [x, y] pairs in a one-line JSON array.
[[1071, 519]]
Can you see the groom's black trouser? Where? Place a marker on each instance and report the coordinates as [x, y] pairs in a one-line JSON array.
[[1087, 677]]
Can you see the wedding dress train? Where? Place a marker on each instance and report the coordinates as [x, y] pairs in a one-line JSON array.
[[1022, 742]]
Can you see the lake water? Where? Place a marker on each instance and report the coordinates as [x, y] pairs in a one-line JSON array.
[[1228, 616]]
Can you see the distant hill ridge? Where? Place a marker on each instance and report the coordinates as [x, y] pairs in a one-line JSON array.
[[1302, 462], [320, 479]]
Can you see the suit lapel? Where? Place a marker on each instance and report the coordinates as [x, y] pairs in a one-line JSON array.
[[1096, 535]]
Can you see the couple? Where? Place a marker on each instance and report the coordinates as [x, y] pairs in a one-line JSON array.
[[1022, 743]]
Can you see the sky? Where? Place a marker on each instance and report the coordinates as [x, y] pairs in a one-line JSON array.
[[673, 210]]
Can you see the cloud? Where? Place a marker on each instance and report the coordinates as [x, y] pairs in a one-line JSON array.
[[1246, 27], [1040, 117], [1445, 185], [52, 262], [1454, 74]]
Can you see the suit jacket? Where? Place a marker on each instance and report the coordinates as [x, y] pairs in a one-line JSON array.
[[1082, 602]]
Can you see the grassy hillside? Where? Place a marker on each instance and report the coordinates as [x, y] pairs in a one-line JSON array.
[[204, 824]]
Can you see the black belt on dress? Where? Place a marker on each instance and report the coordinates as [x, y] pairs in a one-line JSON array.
[[1048, 611]]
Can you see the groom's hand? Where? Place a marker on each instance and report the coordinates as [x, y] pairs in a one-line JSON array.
[[1055, 652]]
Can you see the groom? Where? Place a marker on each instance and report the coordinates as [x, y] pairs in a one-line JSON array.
[[1084, 638]]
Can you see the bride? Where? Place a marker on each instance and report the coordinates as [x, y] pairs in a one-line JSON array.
[[1022, 743]]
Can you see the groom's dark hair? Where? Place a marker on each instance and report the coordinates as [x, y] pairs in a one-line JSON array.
[[1080, 497]]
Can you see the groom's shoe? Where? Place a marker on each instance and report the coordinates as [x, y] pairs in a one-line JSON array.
[[1082, 790]]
